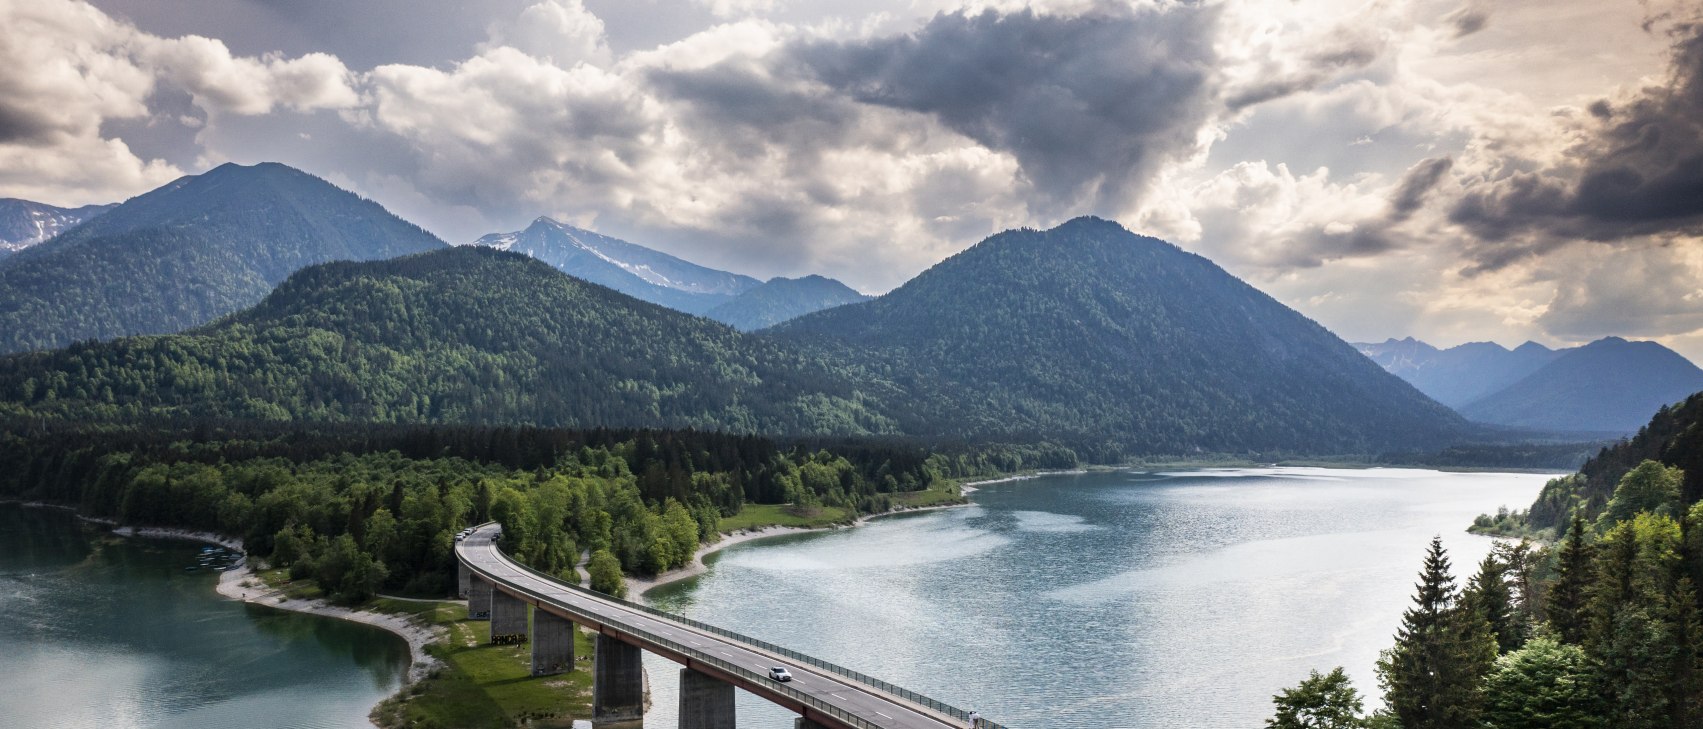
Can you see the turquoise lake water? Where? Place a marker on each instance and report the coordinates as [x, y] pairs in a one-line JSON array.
[[97, 631], [1098, 600]]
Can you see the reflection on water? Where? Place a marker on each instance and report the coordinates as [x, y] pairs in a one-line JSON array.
[[102, 632], [1179, 599]]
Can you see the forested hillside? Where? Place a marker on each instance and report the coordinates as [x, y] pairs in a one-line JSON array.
[[364, 508], [462, 335], [1601, 629], [187, 253], [1088, 331]]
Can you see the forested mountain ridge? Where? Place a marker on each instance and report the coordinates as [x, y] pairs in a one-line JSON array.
[[467, 335], [1090, 331], [782, 299], [189, 252], [24, 223], [1086, 335], [629, 268]]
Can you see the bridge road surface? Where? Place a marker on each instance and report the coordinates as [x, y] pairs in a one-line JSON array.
[[872, 705]]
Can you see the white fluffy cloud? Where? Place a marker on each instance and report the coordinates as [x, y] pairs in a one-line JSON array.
[[66, 69]]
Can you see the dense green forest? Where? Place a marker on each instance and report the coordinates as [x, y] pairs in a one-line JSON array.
[[1086, 335], [462, 335], [1088, 331], [1674, 437], [364, 508], [1603, 629], [187, 253]]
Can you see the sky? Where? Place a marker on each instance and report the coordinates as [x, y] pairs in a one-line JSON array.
[[1455, 170]]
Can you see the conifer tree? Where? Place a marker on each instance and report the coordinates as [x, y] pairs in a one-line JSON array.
[[1431, 677], [1488, 594], [1565, 607], [1687, 671]]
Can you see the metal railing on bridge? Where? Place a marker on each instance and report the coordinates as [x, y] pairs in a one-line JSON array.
[[836, 669]]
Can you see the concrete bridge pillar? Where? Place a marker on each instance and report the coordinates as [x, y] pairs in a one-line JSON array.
[[462, 576], [552, 643], [705, 702], [478, 599], [618, 682], [803, 723], [508, 618]]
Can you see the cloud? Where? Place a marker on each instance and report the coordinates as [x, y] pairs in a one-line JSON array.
[[1089, 105], [560, 30], [68, 71], [1648, 290], [1632, 166], [1468, 19]]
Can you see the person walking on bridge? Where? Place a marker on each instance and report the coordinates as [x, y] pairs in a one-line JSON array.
[[975, 720]]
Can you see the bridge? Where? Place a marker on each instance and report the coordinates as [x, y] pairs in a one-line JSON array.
[[714, 661]]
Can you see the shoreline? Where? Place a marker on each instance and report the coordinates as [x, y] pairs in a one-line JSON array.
[[638, 586], [244, 585]]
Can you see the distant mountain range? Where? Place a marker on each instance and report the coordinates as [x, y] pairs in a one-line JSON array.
[[650, 275], [1608, 386], [24, 223], [1084, 334], [783, 299], [188, 253]]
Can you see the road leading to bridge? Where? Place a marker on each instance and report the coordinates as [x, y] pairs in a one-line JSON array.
[[826, 697]]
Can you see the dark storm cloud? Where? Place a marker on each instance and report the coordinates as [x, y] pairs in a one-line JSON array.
[[1090, 106], [1416, 185], [363, 34], [1375, 236], [1468, 19], [1638, 171]]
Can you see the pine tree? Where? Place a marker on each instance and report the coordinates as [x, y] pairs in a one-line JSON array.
[[1431, 676], [1566, 605], [1489, 595], [1687, 671]]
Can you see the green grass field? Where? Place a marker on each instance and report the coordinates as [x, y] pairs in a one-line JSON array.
[[482, 685], [479, 685]]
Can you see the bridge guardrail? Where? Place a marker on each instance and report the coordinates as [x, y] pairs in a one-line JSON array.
[[836, 669], [701, 657]]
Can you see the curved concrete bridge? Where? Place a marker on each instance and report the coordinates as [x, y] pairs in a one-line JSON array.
[[715, 660]]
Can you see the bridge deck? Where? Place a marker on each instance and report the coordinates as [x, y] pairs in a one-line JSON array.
[[820, 695]]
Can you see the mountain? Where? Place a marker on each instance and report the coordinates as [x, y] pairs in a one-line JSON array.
[[463, 334], [626, 267], [1088, 331], [1608, 386], [24, 223], [194, 250], [1458, 375], [780, 299]]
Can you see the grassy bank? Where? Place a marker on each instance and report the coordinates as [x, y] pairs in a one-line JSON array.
[[763, 516], [483, 685], [478, 685]]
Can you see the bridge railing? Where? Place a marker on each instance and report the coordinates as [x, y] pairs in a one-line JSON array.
[[842, 671], [700, 657]]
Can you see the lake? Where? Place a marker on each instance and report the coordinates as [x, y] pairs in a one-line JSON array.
[[1115, 599], [97, 631]]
